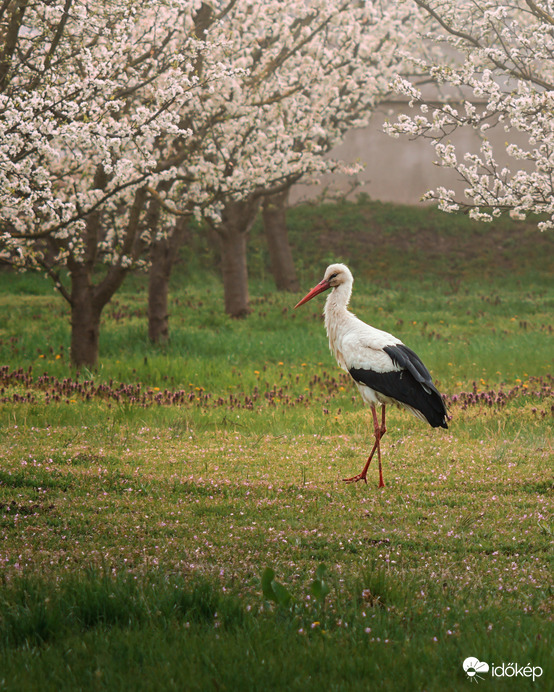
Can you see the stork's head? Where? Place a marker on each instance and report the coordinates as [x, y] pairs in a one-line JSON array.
[[335, 275]]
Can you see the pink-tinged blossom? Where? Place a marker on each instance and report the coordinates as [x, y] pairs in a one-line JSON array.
[[499, 56], [194, 108]]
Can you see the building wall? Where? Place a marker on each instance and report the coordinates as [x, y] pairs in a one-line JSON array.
[[397, 170]]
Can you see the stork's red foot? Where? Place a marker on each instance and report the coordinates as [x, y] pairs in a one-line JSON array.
[[356, 478], [361, 477]]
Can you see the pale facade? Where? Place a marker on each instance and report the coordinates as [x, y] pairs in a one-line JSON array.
[[399, 170]]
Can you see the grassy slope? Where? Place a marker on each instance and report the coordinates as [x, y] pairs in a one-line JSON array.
[[178, 507]]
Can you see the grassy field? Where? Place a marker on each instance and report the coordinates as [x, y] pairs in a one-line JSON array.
[[176, 519]]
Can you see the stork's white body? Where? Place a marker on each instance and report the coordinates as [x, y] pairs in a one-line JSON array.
[[354, 343], [359, 346], [383, 368]]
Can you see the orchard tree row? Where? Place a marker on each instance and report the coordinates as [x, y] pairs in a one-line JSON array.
[[120, 121]]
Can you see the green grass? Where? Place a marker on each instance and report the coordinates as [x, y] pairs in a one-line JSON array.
[[130, 516], [168, 634]]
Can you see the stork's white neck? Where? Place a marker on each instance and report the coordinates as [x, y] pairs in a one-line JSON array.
[[337, 316], [337, 301]]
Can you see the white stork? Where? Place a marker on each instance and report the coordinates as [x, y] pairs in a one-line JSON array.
[[384, 370]]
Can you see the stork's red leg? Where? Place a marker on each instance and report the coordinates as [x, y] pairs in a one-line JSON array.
[[383, 429], [378, 436], [380, 430], [362, 476]]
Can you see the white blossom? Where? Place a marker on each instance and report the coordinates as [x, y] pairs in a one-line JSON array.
[[498, 55], [195, 102]]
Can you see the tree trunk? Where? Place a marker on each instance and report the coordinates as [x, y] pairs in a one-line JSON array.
[[85, 318], [87, 300], [237, 220], [158, 292], [163, 254], [280, 254], [234, 272]]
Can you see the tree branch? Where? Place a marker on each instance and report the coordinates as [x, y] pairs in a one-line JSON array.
[[58, 35], [116, 273], [10, 43], [165, 206], [530, 77], [56, 279], [539, 12]]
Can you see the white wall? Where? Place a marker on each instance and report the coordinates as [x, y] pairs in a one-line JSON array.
[[397, 170]]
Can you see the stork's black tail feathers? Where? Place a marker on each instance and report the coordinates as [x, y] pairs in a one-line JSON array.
[[411, 386]]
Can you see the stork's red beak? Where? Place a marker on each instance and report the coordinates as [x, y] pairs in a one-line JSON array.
[[316, 290]]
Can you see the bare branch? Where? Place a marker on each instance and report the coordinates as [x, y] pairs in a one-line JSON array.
[[56, 279]]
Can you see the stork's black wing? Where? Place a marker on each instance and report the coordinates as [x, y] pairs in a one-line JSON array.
[[412, 385]]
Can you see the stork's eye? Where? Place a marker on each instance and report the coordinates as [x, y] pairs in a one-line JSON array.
[[333, 276]]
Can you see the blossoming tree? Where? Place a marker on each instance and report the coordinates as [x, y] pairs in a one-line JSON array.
[[311, 71], [91, 101], [119, 118], [498, 55]]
